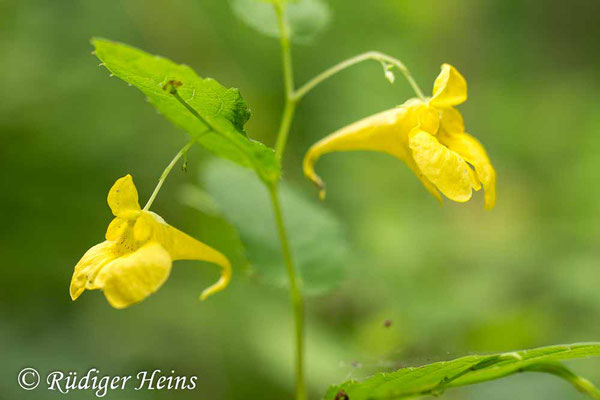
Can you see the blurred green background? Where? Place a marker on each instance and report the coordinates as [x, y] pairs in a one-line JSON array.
[[453, 280]]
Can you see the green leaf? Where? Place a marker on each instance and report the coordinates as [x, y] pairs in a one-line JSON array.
[[316, 236], [433, 379], [223, 109], [306, 18]]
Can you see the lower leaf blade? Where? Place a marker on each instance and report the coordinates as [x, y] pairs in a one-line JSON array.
[[434, 378]]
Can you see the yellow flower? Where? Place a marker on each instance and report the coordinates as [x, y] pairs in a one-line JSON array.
[[428, 135], [135, 260]]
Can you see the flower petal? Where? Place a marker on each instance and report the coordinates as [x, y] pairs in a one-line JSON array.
[[446, 169], [131, 278], [88, 267], [428, 118], [180, 246], [123, 198], [116, 228], [473, 152], [451, 121], [475, 182], [385, 132], [431, 188], [449, 88]]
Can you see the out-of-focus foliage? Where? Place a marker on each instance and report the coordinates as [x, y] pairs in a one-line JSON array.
[[306, 18], [452, 280], [316, 236]]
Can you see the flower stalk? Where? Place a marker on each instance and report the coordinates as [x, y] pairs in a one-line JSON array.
[[166, 172], [370, 55]]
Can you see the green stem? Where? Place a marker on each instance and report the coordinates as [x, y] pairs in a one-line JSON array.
[[286, 54], [288, 80], [296, 299], [166, 172], [284, 128], [371, 55], [295, 294]]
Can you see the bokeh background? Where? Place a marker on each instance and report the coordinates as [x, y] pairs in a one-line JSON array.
[[452, 279]]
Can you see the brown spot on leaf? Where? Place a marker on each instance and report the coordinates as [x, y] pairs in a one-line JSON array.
[[172, 85]]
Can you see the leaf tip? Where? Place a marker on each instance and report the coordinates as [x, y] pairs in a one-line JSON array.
[[95, 41]]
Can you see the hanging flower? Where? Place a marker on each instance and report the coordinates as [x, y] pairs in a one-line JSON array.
[[428, 135], [136, 257]]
